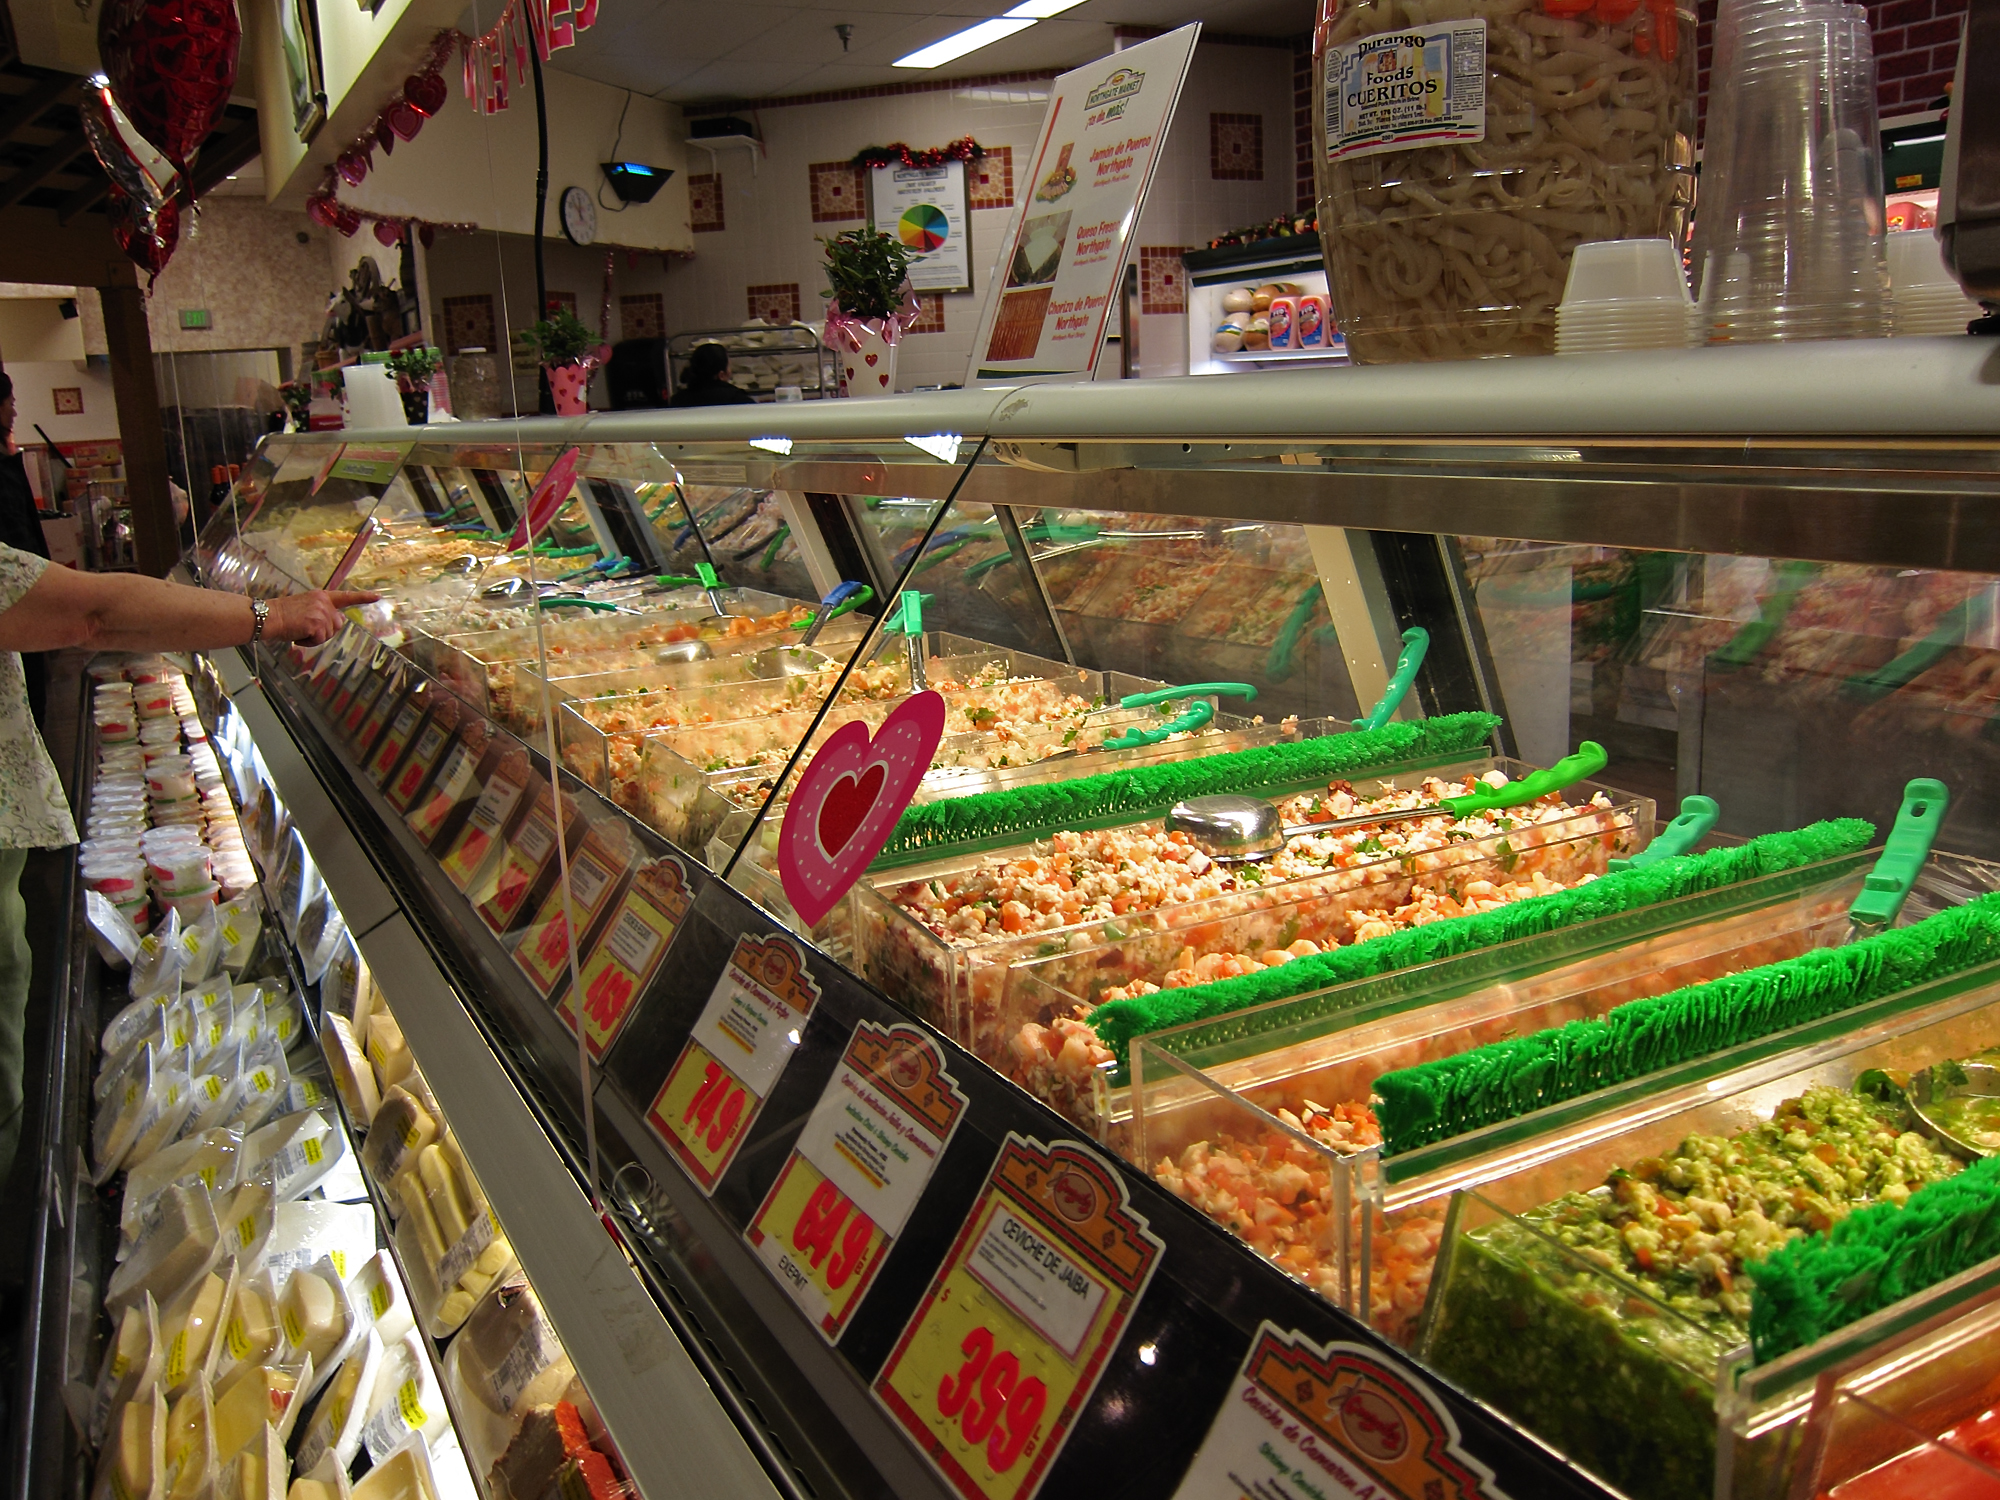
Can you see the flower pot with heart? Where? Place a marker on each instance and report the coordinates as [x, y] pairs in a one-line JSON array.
[[870, 369], [570, 386]]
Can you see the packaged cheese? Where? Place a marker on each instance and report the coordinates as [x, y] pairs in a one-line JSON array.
[[262, 1086], [131, 1366], [402, 1127], [250, 1332], [257, 1398], [353, 1078], [294, 1154], [381, 1299], [209, 1157], [387, 1050], [404, 1474], [133, 1464], [302, 1233], [506, 1360], [177, 1252], [188, 1325], [257, 1472], [406, 1401], [189, 1451], [333, 1431]]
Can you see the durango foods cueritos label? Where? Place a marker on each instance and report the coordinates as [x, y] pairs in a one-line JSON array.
[[1403, 90]]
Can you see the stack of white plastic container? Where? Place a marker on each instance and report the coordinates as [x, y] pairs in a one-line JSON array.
[[1927, 297], [1624, 294]]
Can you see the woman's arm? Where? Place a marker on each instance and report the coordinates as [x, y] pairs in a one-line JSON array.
[[130, 612]]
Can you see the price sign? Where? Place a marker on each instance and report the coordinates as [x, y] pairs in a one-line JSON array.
[[543, 952], [360, 671], [401, 730], [386, 703], [1011, 1337], [457, 782], [366, 695], [524, 859], [627, 957], [417, 769], [1306, 1420], [475, 841], [741, 1042], [861, 1163]]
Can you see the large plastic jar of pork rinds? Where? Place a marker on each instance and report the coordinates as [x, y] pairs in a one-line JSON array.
[[1466, 147]]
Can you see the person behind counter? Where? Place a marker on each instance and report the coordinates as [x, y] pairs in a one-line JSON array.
[[708, 380], [45, 608]]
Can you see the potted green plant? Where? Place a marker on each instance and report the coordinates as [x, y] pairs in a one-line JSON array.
[[568, 352], [297, 396], [413, 369], [869, 308]]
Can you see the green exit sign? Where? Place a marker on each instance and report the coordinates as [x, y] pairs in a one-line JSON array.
[[194, 317]]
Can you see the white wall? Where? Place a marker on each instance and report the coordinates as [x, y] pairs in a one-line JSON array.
[[33, 328], [34, 384]]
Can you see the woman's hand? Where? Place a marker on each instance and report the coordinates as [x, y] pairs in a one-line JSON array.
[[314, 618]]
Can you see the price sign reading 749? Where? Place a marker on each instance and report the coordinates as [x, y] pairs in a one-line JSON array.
[[740, 1044], [1007, 1345], [860, 1165]]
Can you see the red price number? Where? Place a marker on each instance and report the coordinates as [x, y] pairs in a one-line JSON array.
[[829, 1212], [605, 1001], [993, 1402], [716, 1109]]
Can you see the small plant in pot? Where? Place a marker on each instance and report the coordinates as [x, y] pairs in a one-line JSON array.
[[869, 308], [413, 369], [568, 352]]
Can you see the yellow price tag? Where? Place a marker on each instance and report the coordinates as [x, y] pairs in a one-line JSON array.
[[409, 1403]]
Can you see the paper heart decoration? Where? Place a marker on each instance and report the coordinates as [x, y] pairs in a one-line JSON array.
[[872, 360], [547, 498], [849, 799], [389, 234], [405, 119], [353, 167], [426, 92], [883, 377], [323, 211]]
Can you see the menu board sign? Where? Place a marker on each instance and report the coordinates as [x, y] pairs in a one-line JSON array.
[[1086, 185]]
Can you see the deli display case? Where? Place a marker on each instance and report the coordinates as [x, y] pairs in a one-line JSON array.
[[940, 996]]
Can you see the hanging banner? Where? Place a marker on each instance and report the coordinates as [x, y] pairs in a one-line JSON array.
[[1067, 247], [925, 208]]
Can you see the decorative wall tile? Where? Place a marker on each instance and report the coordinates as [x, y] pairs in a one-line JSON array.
[[778, 303], [562, 302], [68, 399], [838, 194], [1162, 279], [1236, 148], [931, 320], [642, 317], [989, 182], [705, 203], [469, 323]]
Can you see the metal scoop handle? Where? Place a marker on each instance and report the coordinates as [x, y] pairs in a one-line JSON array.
[[844, 596]]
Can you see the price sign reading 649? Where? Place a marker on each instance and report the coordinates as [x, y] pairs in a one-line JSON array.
[[859, 1167], [740, 1044], [1007, 1345]]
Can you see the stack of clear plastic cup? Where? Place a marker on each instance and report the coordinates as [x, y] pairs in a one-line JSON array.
[[1623, 294], [1926, 296], [1788, 235]]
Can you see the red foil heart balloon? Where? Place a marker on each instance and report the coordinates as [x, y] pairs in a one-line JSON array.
[[405, 119], [172, 65], [323, 211], [388, 233], [426, 92], [148, 238], [353, 166]]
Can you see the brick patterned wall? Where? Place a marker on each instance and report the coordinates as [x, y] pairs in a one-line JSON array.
[[1916, 50]]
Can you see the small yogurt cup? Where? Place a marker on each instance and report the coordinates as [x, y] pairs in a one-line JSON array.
[[191, 904]]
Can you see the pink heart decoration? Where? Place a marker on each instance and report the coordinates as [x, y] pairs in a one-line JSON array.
[[353, 167], [849, 799], [872, 358], [389, 234], [546, 500], [426, 92], [405, 119]]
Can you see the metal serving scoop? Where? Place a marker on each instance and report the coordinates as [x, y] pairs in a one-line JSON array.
[[800, 660], [1231, 828], [694, 649], [1935, 1090]]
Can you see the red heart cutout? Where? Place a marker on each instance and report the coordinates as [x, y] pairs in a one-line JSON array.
[[883, 377], [871, 360], [426, 92], [405, 119], [846, 804]]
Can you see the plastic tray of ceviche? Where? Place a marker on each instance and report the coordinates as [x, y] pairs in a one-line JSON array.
[[1086, 916]]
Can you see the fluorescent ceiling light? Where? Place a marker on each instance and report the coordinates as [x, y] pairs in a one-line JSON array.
[[969, 40], [1042, 9]]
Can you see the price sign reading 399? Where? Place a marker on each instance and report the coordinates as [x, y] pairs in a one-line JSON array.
[[1007, 1345]]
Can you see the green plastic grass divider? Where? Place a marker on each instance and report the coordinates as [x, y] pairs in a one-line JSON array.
[[1113, 797], [1451, 1096], [1875, 1256], [1118, 1022]]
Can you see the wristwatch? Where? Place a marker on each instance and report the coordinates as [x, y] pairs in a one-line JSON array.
[[260, 611]]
